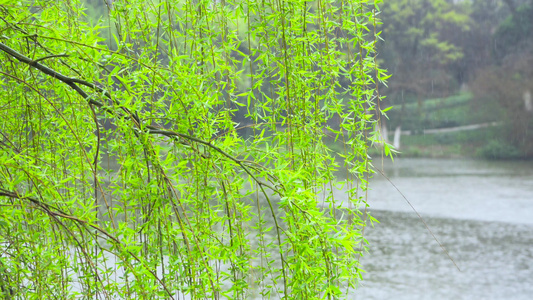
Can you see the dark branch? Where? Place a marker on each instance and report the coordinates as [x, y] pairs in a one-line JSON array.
[[72, 82]]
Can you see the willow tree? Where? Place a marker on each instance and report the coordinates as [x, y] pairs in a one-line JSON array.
[[124, 170]]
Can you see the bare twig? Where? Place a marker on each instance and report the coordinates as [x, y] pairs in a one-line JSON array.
[[421, 219]]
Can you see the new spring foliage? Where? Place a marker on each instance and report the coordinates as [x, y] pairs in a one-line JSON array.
[[162, 149]]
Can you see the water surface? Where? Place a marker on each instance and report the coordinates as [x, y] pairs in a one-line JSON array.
[[481, 211]]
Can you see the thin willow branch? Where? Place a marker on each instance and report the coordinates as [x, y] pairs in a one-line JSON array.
[[169, 133], [49, 209], [50, 56]]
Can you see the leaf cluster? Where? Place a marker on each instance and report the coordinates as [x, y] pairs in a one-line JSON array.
[[124, 169]]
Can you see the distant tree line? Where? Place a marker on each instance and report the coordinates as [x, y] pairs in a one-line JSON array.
[[436, 48]]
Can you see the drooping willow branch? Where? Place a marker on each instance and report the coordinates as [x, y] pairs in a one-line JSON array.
[[55, 212], [74, 82]]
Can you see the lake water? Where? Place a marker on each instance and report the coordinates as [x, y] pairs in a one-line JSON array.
[[481, 211]]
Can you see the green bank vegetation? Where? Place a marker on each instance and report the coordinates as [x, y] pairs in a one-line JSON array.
[[439, 128]]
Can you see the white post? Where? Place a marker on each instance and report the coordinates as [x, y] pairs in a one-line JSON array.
[[528, 105], [397, 134]]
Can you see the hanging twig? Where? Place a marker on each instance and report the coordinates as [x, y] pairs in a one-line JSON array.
[[421, 219]]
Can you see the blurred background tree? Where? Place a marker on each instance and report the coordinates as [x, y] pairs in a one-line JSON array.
[[509, 79], [421, 44], [457, 63]]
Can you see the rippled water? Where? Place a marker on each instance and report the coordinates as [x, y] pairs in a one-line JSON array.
[[481, 211]]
